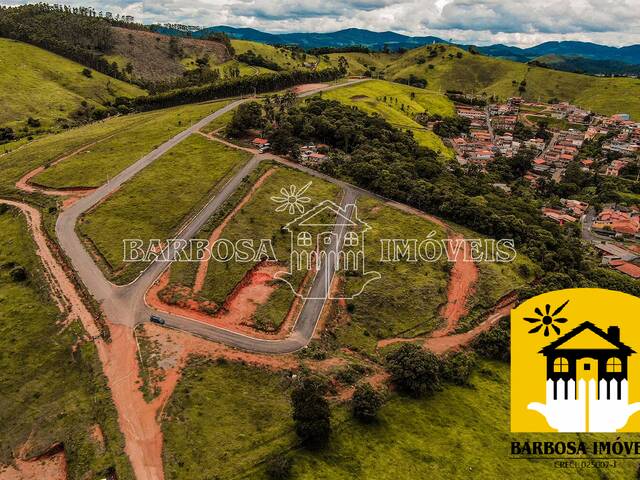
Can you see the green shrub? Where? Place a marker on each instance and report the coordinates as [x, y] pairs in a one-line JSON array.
[[457, 367], [18, 273], [414, 370], [495, 343], [366, 402]]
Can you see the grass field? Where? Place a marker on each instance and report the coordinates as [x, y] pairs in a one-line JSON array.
[[557, 123], [47, 149], [484, 75], [94, 166], [460, 432], [155, 202], [398, 104], [281, 56], [406, 299], [40, 84], [258, 220], [219, 122], [359, 63], [223, 419], [50, 393]]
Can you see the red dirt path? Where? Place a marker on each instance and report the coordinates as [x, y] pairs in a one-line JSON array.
[[137, 419], [462, 281], [307, 87]]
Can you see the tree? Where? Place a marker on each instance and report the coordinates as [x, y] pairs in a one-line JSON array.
[[311, 412], [414, 370], [87, 72], [6, 134], [366, 402], [246, 116], [495, 342], [33, 122]]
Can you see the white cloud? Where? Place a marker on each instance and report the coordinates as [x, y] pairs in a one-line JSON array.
[[514, 22]]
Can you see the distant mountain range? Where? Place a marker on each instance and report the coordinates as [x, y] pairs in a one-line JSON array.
[[569, 50]]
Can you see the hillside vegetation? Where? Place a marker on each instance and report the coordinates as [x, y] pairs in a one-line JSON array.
[[50, 89], [154, 57], [53, 390], [451, 68], [399, 105]]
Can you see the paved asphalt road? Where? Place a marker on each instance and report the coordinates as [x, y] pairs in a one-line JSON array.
[[125, 304]]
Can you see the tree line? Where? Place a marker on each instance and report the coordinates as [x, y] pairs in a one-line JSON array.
[[81, 37], [266, 82]]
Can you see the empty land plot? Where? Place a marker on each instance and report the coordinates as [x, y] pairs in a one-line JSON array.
[[407, 298], [45, 150], [95, 165], [223, 419], [155, 202], [398, 104], [258, 220], [53, 390]]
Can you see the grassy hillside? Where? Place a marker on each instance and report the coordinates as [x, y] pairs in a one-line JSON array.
[[460, 432], [282, 56], [450, 68], [52, 384], [398, 104], [359, 63], [39, 84]]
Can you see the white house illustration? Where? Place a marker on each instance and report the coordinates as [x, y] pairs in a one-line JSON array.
[[332, 234]]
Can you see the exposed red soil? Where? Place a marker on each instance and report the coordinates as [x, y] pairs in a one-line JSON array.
[[307, 87], [201, 274], [176, 346], [137, 418], [143, 438], [97, 435], [237, 312], [451, 342], [47, 467], [464, 275]]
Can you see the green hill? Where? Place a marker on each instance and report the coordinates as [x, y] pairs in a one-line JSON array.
[[398, 104], [50, 88], [285, 58], [451, 68]]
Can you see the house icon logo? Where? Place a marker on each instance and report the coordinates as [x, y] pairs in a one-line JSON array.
[[573, 363], [326, 240]]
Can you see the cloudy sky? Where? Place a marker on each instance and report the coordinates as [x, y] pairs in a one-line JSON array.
[[513, 22]]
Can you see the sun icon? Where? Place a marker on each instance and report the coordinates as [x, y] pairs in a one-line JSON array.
[[547, 319], [292, 199]]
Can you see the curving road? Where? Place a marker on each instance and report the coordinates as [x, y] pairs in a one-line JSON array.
[[126, 305]]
